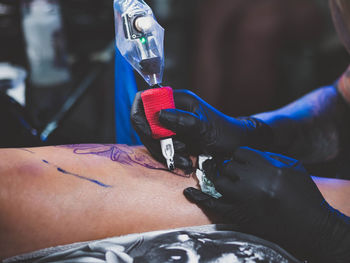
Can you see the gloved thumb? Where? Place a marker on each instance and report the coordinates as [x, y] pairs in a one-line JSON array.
[[194, 195], [181, 122], [216, 207], [201, 199]]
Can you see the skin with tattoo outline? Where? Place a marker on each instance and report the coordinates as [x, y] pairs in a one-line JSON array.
[[53, 196], [123, 154], [41, 207], [60, 170]]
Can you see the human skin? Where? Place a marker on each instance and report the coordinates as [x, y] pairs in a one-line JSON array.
[[53, 196]]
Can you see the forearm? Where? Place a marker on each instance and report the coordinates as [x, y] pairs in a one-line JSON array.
[[336, 192], [312, 128]]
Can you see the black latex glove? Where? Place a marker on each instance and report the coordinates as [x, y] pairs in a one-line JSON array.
[[200, 129], [273, 197]]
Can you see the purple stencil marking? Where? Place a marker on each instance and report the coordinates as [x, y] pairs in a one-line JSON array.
[[119, 153], [69, 173], [83, 177]]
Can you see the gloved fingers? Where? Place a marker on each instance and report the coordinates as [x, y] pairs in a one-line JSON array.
[[186, 100], [183, 162], [182, 122], [142, 127], [284, 159], [215, 169], [196, 196], [205, 201], [140, 122], [226, 177], [192, 147], [246, 155], [137, 103], [232, 170], [182, 148], [179, 146], [210, 168], [218, 207], [279, 160], [227, 186], [148, 141], [138, 117], [153, 146], [181, 157]]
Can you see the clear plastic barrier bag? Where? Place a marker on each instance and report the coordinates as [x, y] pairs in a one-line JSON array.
[[140, 39]]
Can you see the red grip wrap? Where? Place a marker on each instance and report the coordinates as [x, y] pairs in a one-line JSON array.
[[155, 100]]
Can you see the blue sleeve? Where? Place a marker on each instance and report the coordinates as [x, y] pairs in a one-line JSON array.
[[125, 90]]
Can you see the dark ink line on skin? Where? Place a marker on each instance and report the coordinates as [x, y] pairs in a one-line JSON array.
[[78, 176], [68, 173], [26, 150], [172, 172], [83, 177]]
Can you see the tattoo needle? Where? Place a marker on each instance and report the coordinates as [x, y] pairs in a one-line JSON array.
[[168, 152]]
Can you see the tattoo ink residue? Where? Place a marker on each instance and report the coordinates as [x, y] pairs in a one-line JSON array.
[[122, 154], [77, 175]]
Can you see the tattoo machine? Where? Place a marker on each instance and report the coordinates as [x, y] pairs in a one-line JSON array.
[[140, 40]]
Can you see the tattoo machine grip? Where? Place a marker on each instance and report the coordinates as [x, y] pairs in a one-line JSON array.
[[155, 100]]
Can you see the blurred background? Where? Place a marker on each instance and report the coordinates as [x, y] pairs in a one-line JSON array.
[[60, 81]]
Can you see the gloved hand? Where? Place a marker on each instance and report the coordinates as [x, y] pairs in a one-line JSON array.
[[200, 129], [273, 197]]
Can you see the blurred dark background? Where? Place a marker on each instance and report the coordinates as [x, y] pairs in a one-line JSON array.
[[242, 56]]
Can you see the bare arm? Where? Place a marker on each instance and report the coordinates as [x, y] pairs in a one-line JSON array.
[[313, 128], [336, 192], [58, 195]]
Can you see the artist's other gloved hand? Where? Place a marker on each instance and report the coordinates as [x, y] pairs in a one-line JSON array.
[[273, 197], [200, 129]]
